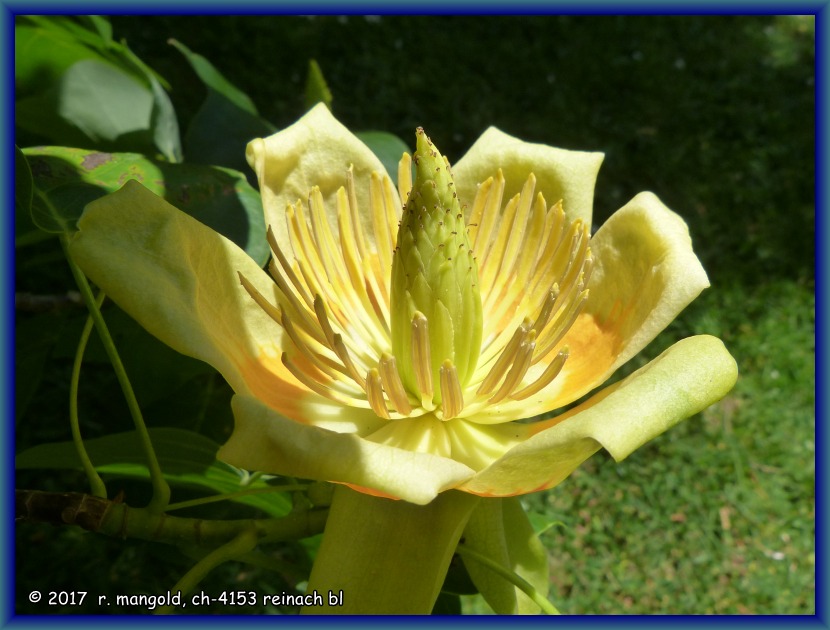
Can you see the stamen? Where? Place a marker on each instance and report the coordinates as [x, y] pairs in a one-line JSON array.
[[377, 208], [505, 359], [556, 334], [547, 309], [304, 319], [587, 268], [518, 370], [322, 362], [550, 373], [358, 226], [421, 362], [336, 341], [318, 387], [272, 241], [452, 398], [490, 196], [323, 318], [348, 245], [374, 393], [392, 383], [341, 351], [274, 312]]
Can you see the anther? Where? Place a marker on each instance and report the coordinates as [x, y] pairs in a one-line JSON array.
[[547, 309], [505, 359], [374, 393], [452, 398], [518, 370], [316, 386], [421, 361], [547, 377], [392, 383]]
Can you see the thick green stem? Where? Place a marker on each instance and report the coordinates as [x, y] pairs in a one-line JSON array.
[[387, 557], [161, 490]]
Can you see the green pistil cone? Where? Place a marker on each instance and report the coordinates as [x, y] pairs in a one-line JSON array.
[[434, 272]]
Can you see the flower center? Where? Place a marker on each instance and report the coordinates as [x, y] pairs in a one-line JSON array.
[[435, 300], [421, 345]]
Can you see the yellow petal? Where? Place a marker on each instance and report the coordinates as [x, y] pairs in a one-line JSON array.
[[179, 280], [263, 440], [317, 150], [560, 174], [645, 274], [684, 380]]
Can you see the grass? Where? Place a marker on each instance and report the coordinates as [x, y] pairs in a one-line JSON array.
[[712, 113]]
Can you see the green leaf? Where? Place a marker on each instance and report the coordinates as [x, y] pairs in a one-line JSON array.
[[76, 87], [500, 530], [316, 88], [101, 25], [388, 147], [25, 231], [186, 459], [220, 118], [58, 210], [227, 114], [45, 48], [103, 101], [65, 179], [163, 121], [214, 80]]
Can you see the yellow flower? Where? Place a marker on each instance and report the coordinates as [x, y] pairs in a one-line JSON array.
[[325, 390]]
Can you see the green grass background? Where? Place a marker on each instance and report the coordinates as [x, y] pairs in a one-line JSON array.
[[715, 114]]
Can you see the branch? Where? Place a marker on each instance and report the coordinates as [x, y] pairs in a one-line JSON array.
[[103, 516]]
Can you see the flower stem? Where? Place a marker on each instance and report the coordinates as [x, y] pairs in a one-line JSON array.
[[242, 544], [517, 580], [96, 484], [386, 556], [161, 490]]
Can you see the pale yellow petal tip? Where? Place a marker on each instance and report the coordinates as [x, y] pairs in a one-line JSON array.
[[254, 152], [689, 377]]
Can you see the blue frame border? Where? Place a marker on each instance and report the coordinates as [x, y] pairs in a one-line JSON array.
[[744, 7]]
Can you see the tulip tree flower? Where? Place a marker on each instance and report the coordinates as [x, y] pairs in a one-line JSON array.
[[403, 328]]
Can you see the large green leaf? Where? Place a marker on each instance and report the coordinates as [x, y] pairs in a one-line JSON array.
[[186, 459], [66, 179], [45, 47], [104, 102], [226, 121], [75, 86]]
